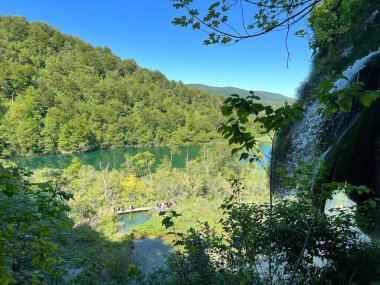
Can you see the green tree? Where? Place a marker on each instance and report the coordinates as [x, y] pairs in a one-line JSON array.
[[75, 166], [76, 135], [134, 192], [140, 164]]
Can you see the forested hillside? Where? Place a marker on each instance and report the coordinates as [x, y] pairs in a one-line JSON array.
[[265, 97], [60, 94]]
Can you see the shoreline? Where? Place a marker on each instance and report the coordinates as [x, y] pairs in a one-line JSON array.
[[87, 151], [262, 139]]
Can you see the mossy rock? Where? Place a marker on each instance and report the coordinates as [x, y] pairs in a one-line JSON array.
[[356, 158]]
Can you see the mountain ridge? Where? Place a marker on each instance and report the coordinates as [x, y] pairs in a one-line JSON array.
[[265, 96]]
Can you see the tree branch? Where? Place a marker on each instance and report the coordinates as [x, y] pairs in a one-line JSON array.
[[300, 14]]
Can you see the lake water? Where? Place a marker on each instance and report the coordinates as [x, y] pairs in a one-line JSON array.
[[129, 221], [115, 157]]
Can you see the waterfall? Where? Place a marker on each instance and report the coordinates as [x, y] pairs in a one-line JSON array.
[[307, 135], [307, 132], [353, 71]]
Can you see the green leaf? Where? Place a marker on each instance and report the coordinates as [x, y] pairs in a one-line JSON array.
[[175, 214], [169, 224], [191, 248], [197, 26], [166, 220], [367, 99], [244, 155]]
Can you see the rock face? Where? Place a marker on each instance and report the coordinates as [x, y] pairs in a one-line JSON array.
[[356, 159], [347, 142]]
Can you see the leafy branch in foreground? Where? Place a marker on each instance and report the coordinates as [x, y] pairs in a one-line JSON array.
[[239, 110], [255, 17], [33, 218], [332, 100], [271, 121]]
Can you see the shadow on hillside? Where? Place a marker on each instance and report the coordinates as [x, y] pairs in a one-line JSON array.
[[150, 254], [91, 258]]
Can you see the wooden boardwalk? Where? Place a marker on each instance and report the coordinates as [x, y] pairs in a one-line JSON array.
[[136, 210]]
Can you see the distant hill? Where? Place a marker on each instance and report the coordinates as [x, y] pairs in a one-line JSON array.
[[266, 97]]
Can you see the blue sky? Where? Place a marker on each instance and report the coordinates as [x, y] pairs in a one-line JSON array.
[[142, 30]]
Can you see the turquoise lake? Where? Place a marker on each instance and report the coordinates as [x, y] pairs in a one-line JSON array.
[[114, 157]]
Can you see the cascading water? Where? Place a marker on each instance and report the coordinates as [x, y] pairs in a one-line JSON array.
[[307, 135], [353, 71]]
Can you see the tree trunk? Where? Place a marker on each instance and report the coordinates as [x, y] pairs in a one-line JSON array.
[[187, 156], [105, 178]]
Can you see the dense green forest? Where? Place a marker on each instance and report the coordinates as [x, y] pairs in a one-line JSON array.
[[60, 94], [240, 216]]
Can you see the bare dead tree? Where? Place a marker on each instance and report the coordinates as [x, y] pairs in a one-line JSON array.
[[105, 172]]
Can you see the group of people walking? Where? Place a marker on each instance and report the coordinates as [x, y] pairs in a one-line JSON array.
[[164, 206]]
